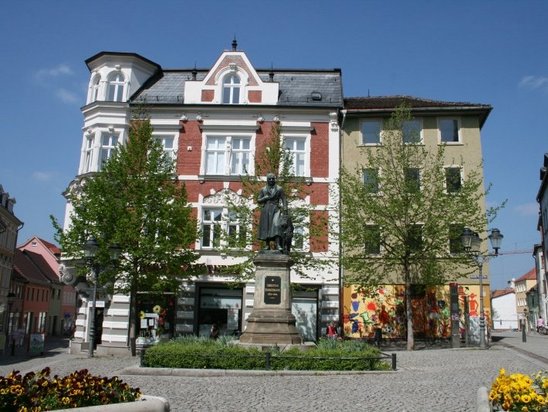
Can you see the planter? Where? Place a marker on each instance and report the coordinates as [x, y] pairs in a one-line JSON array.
[[144, 404]]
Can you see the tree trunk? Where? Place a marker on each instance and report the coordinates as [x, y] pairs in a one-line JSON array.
[[132, 320], [409, 312]]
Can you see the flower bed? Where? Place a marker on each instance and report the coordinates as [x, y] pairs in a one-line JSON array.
[[40, 392], [519, 392]]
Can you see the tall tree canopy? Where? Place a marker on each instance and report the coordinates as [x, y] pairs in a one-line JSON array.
[[136, 202], [403, 211]]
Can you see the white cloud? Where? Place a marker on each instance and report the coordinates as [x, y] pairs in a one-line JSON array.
[[527, 209], [60, 70], [43, 176], [67, 96], [534, 82]]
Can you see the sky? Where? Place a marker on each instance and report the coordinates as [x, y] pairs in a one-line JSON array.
[[478, 51]]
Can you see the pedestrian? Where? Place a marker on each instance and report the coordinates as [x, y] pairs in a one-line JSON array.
[[331, 331], [214, 333], [540, 324]]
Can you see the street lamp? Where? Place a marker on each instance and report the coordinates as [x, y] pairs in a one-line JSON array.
[[91, 248], [472, 245]]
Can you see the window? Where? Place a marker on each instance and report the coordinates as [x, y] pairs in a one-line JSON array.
[[88, 153], [414, 238], [227, 151], [453, 181], [411, 131], [167, 143], [455, 242], [94, 92], [371, 131], [372, 240], [297, 243], [115, 89], [412, 180], [231, 89], [236, 231], [371, 180], [211, 228], [449, 130], [296, 146], [108, 145]]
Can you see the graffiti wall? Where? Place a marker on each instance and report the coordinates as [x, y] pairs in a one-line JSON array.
[[367, 309]]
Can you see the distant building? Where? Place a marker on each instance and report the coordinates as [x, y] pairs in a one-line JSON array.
[[503, 303], [541, 252], [524, 284], [9, 228]]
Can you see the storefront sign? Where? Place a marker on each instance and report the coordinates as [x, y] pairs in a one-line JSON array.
[[272, 290]]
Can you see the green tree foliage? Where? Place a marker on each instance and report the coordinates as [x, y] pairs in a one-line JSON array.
[[402, 214], [136, 202]]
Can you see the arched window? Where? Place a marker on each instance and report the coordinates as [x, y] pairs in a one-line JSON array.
[[94, 89], [231, 89], [115, 90]]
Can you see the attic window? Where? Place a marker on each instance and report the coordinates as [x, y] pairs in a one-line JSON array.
[[34, 243], [231, 89], [316, 96]]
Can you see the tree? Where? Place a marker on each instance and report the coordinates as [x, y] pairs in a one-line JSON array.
[[412, 211], [274, 157], [136, 202]]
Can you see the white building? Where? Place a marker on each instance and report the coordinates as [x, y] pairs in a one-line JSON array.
[[503, 303]]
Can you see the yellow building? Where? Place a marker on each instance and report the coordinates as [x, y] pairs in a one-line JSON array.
[[457, 126]]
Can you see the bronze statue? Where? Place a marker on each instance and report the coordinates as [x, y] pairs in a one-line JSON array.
[[274, 222]]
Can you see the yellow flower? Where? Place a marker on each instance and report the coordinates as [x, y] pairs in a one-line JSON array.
[[141, 314], [157, 309], [525, 398]]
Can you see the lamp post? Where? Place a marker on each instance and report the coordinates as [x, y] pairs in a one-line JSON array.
[[91, 248], [472, 245]]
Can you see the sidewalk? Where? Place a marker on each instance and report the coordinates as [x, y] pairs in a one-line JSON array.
[[535, 346]]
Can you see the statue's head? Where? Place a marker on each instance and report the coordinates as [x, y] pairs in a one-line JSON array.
[[271, 179]]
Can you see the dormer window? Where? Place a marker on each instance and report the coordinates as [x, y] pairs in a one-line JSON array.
[[231, 89], [115, 90]]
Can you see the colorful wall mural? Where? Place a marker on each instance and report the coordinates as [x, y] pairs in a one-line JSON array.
[[367, 309]]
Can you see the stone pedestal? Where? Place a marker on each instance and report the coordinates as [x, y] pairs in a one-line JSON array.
[[271, 321]]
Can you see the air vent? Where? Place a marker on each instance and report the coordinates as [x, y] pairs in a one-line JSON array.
[[316, 96]]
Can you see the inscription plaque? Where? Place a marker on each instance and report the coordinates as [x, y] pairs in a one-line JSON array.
[[272, 290]]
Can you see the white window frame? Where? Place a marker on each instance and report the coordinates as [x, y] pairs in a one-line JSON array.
[[419, 122], [223, 222], [87, 155], [107, 148], [371, 121], [225, 150], [94, 88], [162, 138], [305, 152], [459, 137], [116, 82], [229, 88]]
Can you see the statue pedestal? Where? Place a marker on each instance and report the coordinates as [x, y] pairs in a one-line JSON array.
[[271, 321]]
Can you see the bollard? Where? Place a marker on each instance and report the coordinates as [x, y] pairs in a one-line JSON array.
[[267, 360], [523, 332], [393, 361]]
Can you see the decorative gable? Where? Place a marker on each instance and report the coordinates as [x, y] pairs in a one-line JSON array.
[[232, 80]]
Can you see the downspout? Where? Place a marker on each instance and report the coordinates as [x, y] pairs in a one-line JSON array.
[[341, 283]]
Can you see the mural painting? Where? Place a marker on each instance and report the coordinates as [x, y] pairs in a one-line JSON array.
[[383, 307]]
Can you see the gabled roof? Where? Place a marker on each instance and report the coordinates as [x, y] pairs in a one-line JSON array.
[[497, 293], [387, 104], [31, 268], [531, 275], [48, 245]]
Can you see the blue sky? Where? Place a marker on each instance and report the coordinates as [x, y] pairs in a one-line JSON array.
[[491, 52]]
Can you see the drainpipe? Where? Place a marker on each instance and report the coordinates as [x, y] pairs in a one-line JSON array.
[[341, 283]]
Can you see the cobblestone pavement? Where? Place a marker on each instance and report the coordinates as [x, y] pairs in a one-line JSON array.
[[426, 380]]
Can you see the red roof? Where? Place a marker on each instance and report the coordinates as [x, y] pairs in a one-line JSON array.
[[34, 268], [497, 293], [54, 249], [531, 275]]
